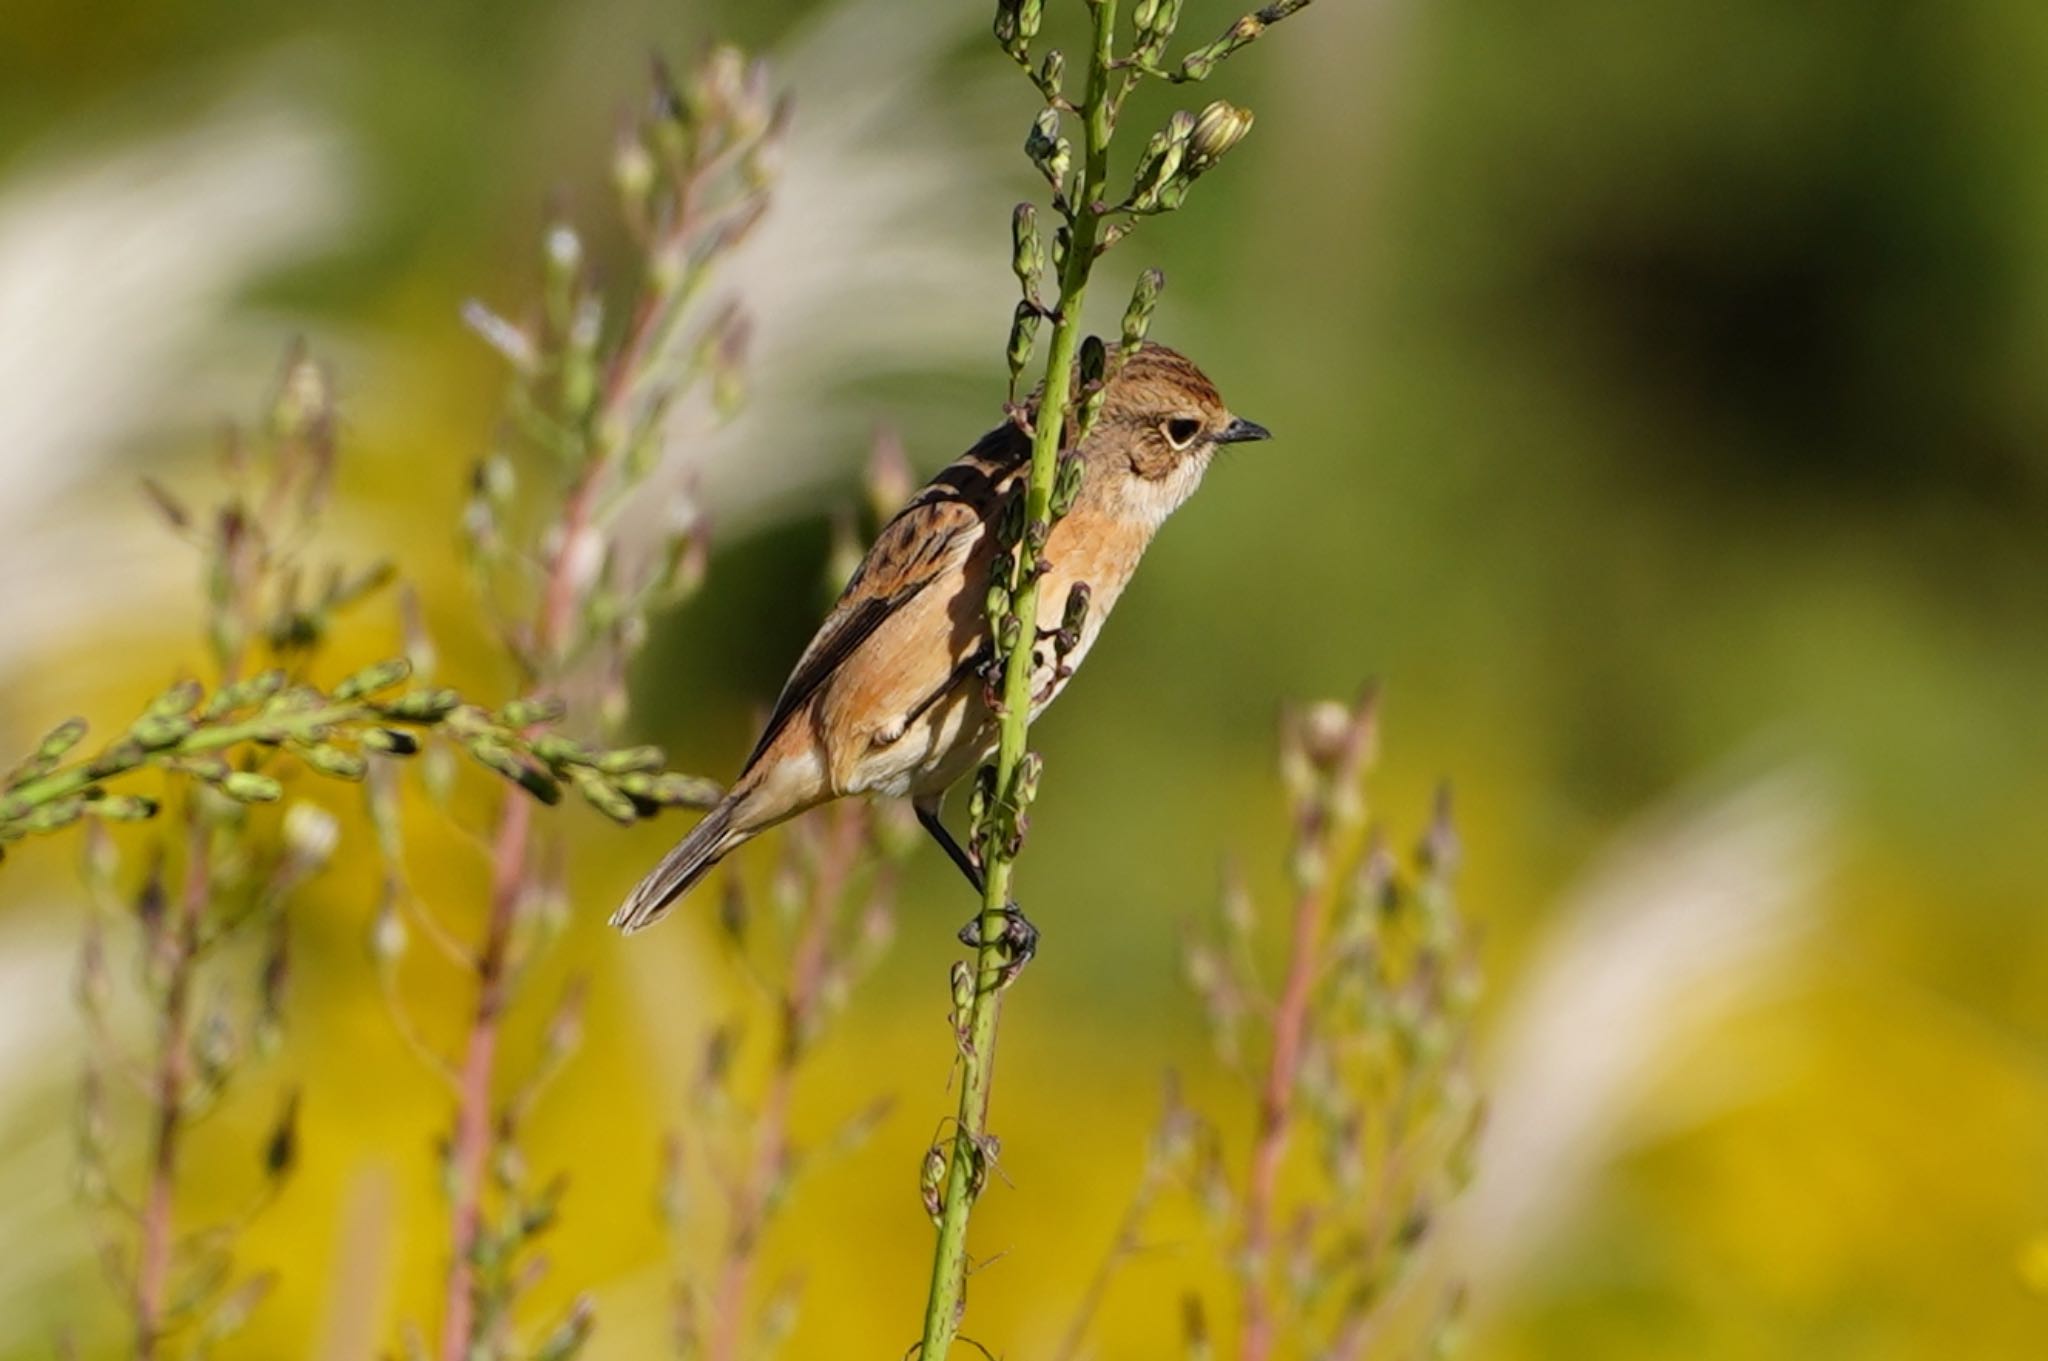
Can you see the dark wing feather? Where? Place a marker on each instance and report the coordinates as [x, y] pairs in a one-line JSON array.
[[912, 551]]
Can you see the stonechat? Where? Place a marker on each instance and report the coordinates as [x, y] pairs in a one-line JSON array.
[[889, 698]]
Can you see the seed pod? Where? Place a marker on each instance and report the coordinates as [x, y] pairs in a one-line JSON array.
[[1066, 484]]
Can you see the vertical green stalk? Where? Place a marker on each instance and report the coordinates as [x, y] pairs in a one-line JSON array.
[[967, 1167]]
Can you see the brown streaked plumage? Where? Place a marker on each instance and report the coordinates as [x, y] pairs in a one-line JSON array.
[[887, 699]]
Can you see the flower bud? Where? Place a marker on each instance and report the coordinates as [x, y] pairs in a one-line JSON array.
[[1138, 316], [246, 786], [1066, 484], [1217, 129], [1023, 335], [1053, 71], [931, 1182], [332, 760], [371, 679], [1027, 254]]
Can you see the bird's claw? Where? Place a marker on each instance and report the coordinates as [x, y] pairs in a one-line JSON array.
[[1017, 937]]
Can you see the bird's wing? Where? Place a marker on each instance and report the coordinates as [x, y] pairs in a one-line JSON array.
[[934, 532]]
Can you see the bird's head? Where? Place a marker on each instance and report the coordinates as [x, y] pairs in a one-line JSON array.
[[1162, 421]]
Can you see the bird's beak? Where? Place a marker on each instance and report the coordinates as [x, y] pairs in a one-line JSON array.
[[1242, 431]]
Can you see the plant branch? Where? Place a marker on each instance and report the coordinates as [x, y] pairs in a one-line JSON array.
[[967, 1166]]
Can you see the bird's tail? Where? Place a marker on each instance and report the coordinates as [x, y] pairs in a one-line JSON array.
[[708, 843]]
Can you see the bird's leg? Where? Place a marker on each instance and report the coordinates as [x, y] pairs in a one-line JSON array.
[[928, 818], [1018, 936]]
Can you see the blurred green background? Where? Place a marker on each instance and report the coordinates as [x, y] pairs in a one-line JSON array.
[[1661, 415]]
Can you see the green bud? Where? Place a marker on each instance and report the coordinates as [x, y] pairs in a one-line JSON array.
[[1217, 129], [998, 603], [601, 795], [558, 750], [51, 816], [685, 791], [1161, 162], [423, 706], [390, 741], [1052, 73], [1027, 254], [1138, 316], [333, 760], [368, 681], [1023, 336], [1047, 150], [931, 1182], [531, 711], [154, 732], [246, 786], [125, 808], [1066, 484], [962, 981], [1024, 784], [180, 699], [60, 740], [498, 757], [631, 760]]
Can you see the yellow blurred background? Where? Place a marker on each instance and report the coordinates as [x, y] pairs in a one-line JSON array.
[[1661, 412]]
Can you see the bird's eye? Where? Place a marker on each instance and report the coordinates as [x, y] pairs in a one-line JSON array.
[[1180, 432]]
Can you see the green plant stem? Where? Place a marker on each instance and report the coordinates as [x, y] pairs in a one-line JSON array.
[[944, 1303], [83, 775]]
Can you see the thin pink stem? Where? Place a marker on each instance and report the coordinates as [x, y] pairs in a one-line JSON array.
[[473, 1136], [176, 944], [1276, 1118], [771, 1143]]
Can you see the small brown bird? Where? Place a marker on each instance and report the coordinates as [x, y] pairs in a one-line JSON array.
[[888, 698]]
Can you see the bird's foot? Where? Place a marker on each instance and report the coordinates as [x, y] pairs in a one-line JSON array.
[[1017, 937]]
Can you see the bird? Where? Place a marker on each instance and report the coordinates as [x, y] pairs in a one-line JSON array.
[[889, 698]]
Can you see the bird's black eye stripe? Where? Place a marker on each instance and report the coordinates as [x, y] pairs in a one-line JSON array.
[[1181, 431]]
